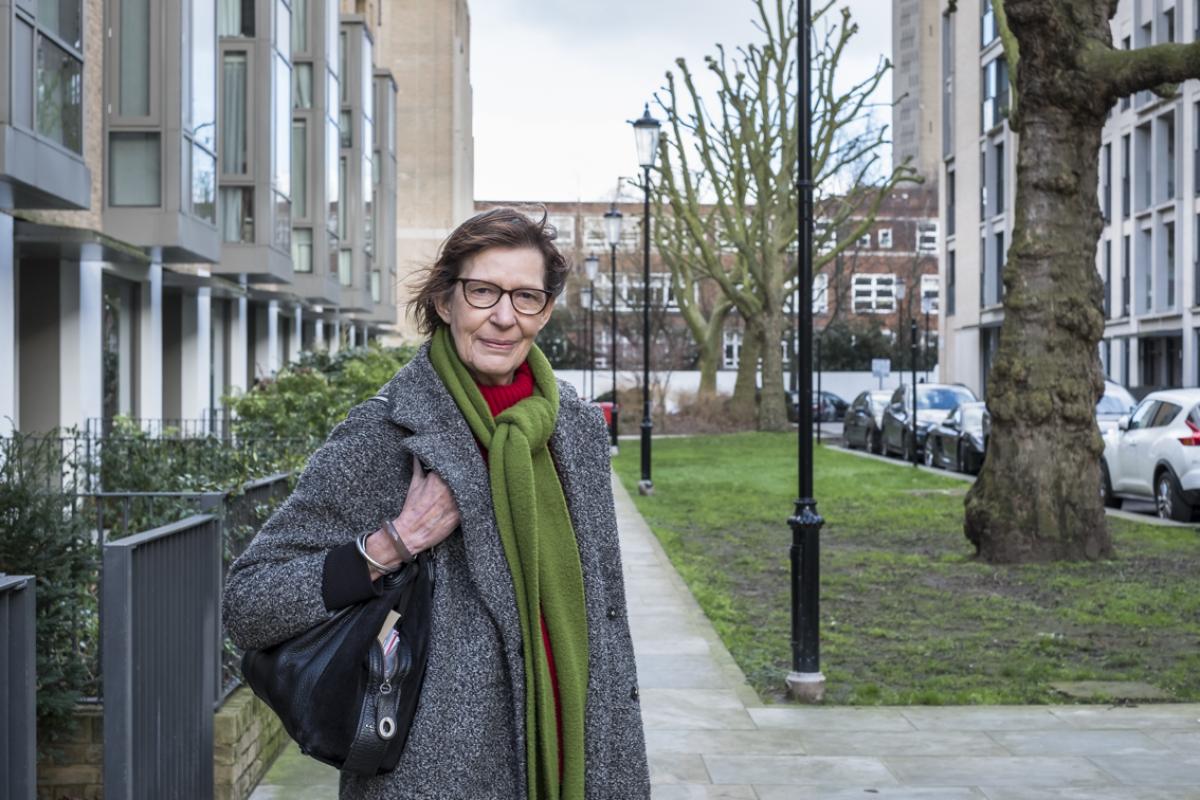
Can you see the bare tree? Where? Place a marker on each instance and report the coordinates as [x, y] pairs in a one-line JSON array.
[[742, 156], [1038, 496]]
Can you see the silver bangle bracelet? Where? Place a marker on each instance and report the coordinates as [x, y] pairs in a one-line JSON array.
[[361, 542]]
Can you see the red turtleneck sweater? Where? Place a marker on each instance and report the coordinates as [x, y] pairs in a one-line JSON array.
[[498, 399]]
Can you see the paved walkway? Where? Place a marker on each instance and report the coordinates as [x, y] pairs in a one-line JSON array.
[[710, 737]]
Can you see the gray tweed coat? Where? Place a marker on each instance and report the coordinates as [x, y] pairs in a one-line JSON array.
[[468, 737]]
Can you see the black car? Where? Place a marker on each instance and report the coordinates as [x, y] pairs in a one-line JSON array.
[[960, 440], [828, 407], [934, 402], [863, 426]]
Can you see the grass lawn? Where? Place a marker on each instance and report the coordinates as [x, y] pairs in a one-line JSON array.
[[907, 615]]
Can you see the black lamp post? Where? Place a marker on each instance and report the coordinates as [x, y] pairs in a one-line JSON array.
[[805, 681], [916, 458], [645, 133], [591, 266], [612, 234], [926, 306]]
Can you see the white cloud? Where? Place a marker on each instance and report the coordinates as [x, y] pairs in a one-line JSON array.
[[555, 82]]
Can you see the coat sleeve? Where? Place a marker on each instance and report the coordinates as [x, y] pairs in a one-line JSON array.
[[274, 590]]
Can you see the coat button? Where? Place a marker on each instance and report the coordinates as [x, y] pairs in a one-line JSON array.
[[612, 612], [633, 693]]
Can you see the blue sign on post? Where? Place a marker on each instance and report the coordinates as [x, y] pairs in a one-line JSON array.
[[881, 368]]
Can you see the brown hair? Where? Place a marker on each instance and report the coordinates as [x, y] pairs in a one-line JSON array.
[[502, 227]]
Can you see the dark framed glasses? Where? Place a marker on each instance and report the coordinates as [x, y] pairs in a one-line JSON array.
[[483, 294]]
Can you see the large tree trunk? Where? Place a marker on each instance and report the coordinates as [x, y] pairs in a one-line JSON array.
[[1038, 496], [710, 347], [743, 406], [772, 407]]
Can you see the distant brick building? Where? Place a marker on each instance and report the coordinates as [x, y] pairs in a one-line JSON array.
[[860, 284]]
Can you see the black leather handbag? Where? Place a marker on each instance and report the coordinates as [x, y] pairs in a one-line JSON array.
[[338, 696]]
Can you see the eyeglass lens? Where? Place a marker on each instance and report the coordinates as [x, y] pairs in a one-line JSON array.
[[482, 294]]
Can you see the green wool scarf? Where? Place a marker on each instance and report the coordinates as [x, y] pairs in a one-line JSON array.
[[539, 544]]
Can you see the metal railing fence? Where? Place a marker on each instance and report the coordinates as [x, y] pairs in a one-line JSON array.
[[18, 688], [160, 624]]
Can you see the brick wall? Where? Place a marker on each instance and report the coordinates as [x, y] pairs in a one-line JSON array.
[[247, 738]]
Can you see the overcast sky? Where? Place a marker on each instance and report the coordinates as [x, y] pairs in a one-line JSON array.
[[556, 80]]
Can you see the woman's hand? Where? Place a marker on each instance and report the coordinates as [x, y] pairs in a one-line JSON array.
[[429, 516]]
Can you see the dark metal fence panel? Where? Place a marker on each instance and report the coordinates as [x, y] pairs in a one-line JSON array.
[[18, 689], [160, 623]]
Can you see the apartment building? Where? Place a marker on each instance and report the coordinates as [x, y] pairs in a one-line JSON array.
[[191, 194], [889, 276], [1149, 251], [916, 112]]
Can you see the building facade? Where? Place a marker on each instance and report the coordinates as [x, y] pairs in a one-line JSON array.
[[916, 112], [191, 194], [1149, 251]]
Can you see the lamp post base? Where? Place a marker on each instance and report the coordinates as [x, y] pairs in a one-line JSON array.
[[613, 450], [646, 488], [806, 687]]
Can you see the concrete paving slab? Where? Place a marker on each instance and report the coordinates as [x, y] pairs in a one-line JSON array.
[[983, 718], [1091, 793], [1164, 769], [798, 770], [830, 719], [766, 792], [1077, 743], [912, 743], [691, 709], [678, 768], [748, 742], [1182, 740], [679, 672], [996, 771], [1184, 716], [696, 791]]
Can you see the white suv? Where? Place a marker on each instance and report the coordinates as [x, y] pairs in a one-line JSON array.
[[1154, 454]]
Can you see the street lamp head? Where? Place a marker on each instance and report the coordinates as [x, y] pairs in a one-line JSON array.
[[645, 132], [591, 266], [898, 288], [612, 226]]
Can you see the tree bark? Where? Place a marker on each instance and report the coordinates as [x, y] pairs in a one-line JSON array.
[[1038, 495], [772, 406], [743, 407], [710, 347]]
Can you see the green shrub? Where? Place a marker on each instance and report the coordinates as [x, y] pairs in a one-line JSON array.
[[45, 532]]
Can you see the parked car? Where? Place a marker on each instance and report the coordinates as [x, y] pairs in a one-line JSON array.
[[1154, 454], [828, 407], [863, 424], [934, 401], [959, 441], [1116, 403]]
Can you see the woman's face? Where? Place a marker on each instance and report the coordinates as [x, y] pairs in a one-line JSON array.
[[493, 342]]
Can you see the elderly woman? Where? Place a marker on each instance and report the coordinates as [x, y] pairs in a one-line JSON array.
[[476, 452]]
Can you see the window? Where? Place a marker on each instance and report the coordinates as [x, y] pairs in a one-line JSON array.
[[987, 24], [864, 241], [1126, 44], [820, 294], [203, 85], [233, 110], [281, 126], [235, 18], [300, 26], [1000, 170], [930, 290], [885, 238], [825, 236], [376, 294], [346, 129], [300, 168], [564, 224], [302, 243], [1169, 261], [1124, 305], [59, 94], [332, 181], [927, 237], [951, 282], [998, 243], [204, 184], [1196, 265], [1107, 278], [302, 86], [134, 169], [64, 19], [342, 222], [237, 214], [733, 349], [1166, 132], [950, 201], [994, 90], [1141, 156], [983, 182], [344, 267], [874, 293], [1125, 172], [134, 58], [1106, 182]]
